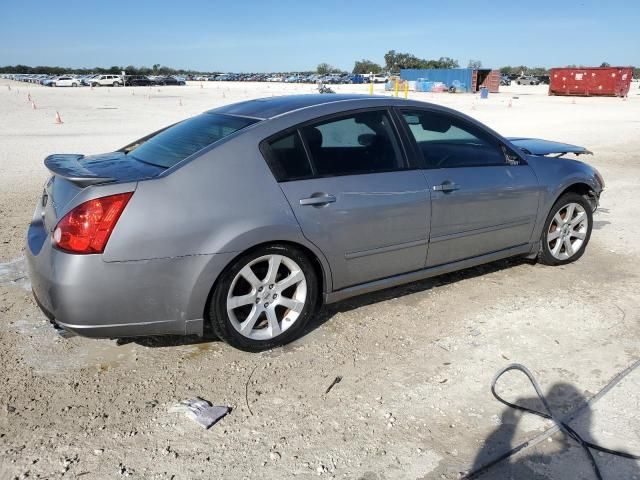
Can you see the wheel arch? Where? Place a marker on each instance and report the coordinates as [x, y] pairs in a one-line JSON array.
[[579, 185], [319, 262], [581, 188]]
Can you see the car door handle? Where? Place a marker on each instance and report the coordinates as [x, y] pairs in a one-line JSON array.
[[318, 199], [447, 186]]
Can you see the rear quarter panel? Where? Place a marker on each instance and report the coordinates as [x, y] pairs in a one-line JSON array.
[[224, 201]]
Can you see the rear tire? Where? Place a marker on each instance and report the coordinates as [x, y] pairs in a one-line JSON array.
[[566, 231], [264, 299]]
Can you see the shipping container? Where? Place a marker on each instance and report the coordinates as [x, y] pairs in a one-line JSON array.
[[604, 81], [471, 79]]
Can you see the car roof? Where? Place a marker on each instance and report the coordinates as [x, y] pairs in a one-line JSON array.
[[264, 108]]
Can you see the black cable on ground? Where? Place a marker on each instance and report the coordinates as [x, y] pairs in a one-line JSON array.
[[560, 423]]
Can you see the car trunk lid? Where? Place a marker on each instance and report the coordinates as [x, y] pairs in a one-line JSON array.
[[537, 146], [72, 173]]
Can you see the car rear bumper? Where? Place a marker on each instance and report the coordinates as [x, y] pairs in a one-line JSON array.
[[87, 296]]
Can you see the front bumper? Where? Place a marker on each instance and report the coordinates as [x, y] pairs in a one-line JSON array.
[[87, 296]]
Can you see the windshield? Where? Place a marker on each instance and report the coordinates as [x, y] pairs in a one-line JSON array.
[[176, 143]]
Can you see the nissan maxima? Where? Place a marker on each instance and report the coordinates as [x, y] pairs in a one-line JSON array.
[[245, 219]]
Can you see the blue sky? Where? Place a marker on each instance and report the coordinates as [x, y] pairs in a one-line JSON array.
[[254, 35]]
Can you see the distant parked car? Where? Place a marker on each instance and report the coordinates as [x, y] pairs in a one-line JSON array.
[[47, 81], [505, 81], [138, 81], [169, 81], [527, 80], [107, 81], [544, 79], [86, 80], [65, 81]]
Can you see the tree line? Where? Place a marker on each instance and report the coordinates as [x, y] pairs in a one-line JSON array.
[[393, 63], [156, 69]]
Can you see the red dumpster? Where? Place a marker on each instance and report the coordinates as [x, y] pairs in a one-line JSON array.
[[603, 81]]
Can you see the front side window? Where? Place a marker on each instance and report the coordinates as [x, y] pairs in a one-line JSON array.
[[447, 142], [178, 142], [358, 143]]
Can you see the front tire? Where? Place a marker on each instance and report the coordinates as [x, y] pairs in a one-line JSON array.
[[567, 230], [264, 299]]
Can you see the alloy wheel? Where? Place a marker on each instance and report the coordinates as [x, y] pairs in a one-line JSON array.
[[567, 231], [266, 297]]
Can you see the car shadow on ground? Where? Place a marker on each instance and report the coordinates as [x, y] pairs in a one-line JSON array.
[[329, 311]]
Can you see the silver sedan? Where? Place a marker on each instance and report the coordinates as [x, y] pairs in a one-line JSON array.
[[246, 218]]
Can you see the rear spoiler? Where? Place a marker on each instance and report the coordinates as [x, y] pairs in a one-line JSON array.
[[537, 146], [68, 166]]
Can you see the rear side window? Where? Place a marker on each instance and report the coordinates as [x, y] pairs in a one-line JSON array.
[[176, 143], [287, 158], [358, 143]]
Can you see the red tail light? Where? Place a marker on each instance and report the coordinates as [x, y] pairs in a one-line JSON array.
[[86, 228]]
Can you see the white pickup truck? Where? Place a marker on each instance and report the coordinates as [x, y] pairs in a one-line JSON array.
[[378, 78]]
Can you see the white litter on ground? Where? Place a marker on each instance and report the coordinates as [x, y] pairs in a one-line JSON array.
[[200, 411]]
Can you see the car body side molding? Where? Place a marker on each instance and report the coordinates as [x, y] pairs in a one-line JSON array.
[[396, 280]]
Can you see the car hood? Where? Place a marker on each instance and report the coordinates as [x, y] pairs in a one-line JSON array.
[[537, 146]]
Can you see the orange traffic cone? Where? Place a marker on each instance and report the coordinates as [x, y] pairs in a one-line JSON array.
[[58, 119], [33, 105]]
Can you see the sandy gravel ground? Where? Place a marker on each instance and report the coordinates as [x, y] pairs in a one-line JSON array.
[[415, 362]]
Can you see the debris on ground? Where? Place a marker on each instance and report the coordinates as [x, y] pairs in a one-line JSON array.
[[336, 380], [200, 411]]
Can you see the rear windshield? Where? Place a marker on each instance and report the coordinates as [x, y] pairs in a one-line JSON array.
[[176, 143]]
